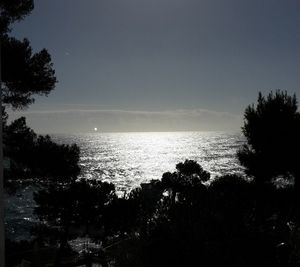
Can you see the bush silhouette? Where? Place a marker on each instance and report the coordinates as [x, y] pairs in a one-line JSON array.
[[272, 130], [34, 156]]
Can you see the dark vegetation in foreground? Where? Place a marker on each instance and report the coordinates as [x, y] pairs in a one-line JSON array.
[[183, 219]]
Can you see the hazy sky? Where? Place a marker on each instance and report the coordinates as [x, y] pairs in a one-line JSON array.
[[159, 65]]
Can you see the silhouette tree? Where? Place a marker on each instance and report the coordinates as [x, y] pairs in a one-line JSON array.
[[12, 11], [189, 174], [24, 73], [192, 168], [78, 205], [272, 130], [171, 218], [38, 157]]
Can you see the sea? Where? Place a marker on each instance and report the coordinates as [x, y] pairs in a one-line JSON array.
[[129, 159]]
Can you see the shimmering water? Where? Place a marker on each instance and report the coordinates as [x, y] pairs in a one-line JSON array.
[[128, 159]]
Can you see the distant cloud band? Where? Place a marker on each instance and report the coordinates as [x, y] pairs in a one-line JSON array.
[[85, 120]]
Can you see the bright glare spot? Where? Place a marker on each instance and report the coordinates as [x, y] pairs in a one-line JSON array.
[[95, 129]]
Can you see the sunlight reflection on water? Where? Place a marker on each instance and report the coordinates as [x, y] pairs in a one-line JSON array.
[[127, 159]]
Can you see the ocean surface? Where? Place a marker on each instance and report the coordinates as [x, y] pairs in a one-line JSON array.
[[129, 159]]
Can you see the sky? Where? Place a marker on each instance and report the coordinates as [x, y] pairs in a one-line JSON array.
[[160, 65]]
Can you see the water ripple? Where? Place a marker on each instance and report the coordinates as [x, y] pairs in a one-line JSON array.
[[128, 159]]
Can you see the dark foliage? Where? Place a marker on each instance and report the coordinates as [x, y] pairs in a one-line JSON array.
[[38, 157], [179, 221], [74, 210], [12, 11], [191, 167], [272, 130], [32, 253], [224, 223], [24, 73], [81, 203]]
